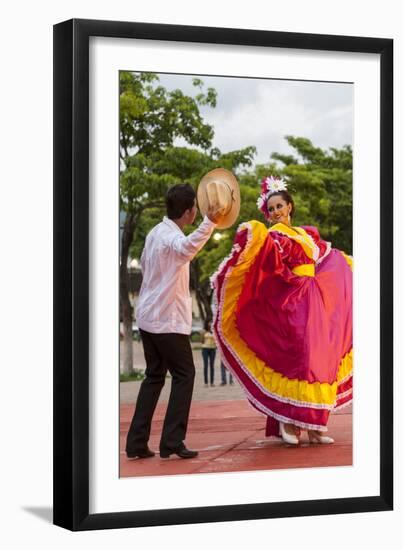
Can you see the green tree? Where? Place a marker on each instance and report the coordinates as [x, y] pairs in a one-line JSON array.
[[151, 119], [321, 183], [190, 165]]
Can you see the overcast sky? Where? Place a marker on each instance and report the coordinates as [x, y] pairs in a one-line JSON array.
[[261, 112]]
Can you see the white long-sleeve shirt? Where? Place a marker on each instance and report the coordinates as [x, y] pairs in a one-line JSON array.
[[165, 304]]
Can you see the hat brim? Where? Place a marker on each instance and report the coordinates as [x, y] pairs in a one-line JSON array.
[[225, 176]]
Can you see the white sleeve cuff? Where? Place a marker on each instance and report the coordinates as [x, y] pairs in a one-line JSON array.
[[207, 220]]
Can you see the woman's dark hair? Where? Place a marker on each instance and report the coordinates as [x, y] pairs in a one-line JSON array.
[[207, 324], [178, 199], [285, 195]]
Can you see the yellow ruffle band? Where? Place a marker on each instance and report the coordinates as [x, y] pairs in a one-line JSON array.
[[348, 259], [296, 390], [299, 235], [304, 270], [345, 367]]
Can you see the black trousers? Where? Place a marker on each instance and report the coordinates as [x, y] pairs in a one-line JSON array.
[[163, 353]]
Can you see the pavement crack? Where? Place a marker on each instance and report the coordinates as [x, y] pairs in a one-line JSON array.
[[224, 452]]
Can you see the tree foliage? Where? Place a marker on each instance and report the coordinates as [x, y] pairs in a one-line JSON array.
[[154, 120], [183, 164], [151, 119], [321, 184]]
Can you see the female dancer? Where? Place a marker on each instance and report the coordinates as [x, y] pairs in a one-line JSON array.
[[283, 320]]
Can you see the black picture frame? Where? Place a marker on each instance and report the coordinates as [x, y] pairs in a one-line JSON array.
[[71, 274]]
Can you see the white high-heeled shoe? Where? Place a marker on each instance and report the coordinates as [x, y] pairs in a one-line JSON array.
[[316, 437], [291, 439]]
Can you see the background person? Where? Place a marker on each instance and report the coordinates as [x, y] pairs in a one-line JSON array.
[[208, 353], [224, 375]]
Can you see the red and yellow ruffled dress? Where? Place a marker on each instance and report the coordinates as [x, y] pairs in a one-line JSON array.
[[283, 323]]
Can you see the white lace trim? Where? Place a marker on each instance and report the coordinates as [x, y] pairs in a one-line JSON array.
[[349, 375], [277, 242], [282, 418], [344, 394], [218, 315], [327, 252], [265, 410], [213, 278], [339, 407], [302, 239], [248, 227]]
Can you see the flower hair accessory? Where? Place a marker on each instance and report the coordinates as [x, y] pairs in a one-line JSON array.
[[269, 185]]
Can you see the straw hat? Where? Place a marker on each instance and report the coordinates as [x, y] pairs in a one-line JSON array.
[[220, 188]]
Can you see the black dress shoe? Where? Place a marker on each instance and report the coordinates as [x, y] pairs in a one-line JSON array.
[[181, 451], [142, 453]]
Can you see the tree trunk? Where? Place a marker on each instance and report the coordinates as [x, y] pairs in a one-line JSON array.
[[203, 291], [125, 306]]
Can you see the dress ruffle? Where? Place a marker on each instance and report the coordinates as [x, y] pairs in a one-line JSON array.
[[287, 338]]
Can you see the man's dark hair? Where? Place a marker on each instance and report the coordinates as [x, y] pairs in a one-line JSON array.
[[178, 199]]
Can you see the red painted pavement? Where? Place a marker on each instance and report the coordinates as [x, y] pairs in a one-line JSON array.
[[230, 437]]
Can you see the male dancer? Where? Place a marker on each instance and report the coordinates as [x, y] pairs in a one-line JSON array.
[[164, 317]]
